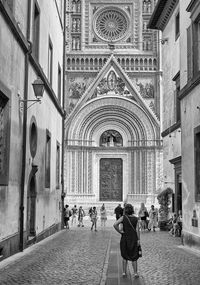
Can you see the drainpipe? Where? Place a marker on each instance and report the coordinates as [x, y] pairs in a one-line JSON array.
[[63, 122], [21, 233]]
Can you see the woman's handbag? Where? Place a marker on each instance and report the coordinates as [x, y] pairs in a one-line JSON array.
[[139, 246], [139, 251]]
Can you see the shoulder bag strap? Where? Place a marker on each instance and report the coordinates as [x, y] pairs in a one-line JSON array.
[[130, 223]]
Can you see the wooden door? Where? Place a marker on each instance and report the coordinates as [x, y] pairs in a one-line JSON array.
[[111, 174]]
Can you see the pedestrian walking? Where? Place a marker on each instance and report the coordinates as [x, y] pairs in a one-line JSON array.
[[67, 215], [81, 214], [103, 215], [94, 219], [74, 211], [118, 211], [153, 218], [130, 239], [143, 214]]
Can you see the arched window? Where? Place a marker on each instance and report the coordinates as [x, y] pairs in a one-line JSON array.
[[111, 138]]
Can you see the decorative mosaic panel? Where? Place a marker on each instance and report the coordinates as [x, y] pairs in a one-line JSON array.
[[76, 88]]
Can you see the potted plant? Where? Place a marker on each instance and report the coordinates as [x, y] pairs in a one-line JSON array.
[[164, 201]]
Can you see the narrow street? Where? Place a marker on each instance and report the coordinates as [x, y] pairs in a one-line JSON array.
[[81, 256]]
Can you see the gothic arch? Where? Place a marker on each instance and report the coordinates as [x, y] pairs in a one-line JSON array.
[[120, 113]]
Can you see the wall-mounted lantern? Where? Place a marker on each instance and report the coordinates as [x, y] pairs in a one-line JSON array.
[[38, 88]]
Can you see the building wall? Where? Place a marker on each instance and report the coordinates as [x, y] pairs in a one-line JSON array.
[[11, 80], [47, 115], [171, 139], [190, 120]]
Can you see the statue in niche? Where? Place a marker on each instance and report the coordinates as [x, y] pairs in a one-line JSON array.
[[73, 43], [78, 25], [111, 138], [74, 25], [73, 6], [77, 43], [78, 6]]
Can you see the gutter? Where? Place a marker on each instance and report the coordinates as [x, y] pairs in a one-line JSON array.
[[63, 124], [21, 215]]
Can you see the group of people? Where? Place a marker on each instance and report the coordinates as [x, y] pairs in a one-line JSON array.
[[79, 213], [127, 224], [73, 214], [146, 219], [175, 224]]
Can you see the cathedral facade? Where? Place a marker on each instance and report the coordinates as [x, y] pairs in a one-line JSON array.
[[113, 151]]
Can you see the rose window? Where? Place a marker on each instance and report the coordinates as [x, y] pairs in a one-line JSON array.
[[111, 25]]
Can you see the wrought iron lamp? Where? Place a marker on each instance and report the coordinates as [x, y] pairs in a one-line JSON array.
[[38, 88]]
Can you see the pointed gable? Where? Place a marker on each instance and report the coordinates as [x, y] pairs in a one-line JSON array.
[[112, 80]]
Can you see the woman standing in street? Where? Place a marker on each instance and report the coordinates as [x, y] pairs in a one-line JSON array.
[[143, 214], [94, 219], [81, 214], [130, 239], [153, 218], [103, 215]]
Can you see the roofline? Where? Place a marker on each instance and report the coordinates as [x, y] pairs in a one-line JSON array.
[[162, 14], [190, 6], [156, 14]]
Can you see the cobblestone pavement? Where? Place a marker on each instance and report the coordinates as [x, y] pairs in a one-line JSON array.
[[80, 256]]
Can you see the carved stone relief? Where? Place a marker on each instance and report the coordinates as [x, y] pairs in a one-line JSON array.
[[76, 88]]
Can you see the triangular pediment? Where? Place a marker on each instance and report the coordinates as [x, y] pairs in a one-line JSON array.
[[112, 80]]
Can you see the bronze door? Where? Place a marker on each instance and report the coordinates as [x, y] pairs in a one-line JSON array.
[[111, 179]]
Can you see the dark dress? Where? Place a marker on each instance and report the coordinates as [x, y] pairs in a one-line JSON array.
[[128, 243]]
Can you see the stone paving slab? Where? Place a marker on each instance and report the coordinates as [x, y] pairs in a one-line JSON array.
[[80, 256]]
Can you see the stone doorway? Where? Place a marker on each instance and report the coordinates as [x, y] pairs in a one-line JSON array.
[[31, 211], [110, 179]]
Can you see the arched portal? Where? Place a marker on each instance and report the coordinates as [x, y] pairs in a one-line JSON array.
[[31, 207], [112, 153]]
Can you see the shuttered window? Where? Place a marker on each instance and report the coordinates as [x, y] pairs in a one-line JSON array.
[[189, 53], [36, 31], [196, 45], [197, 162]]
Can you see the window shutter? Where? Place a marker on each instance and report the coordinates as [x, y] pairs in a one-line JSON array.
[[189, 53]]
